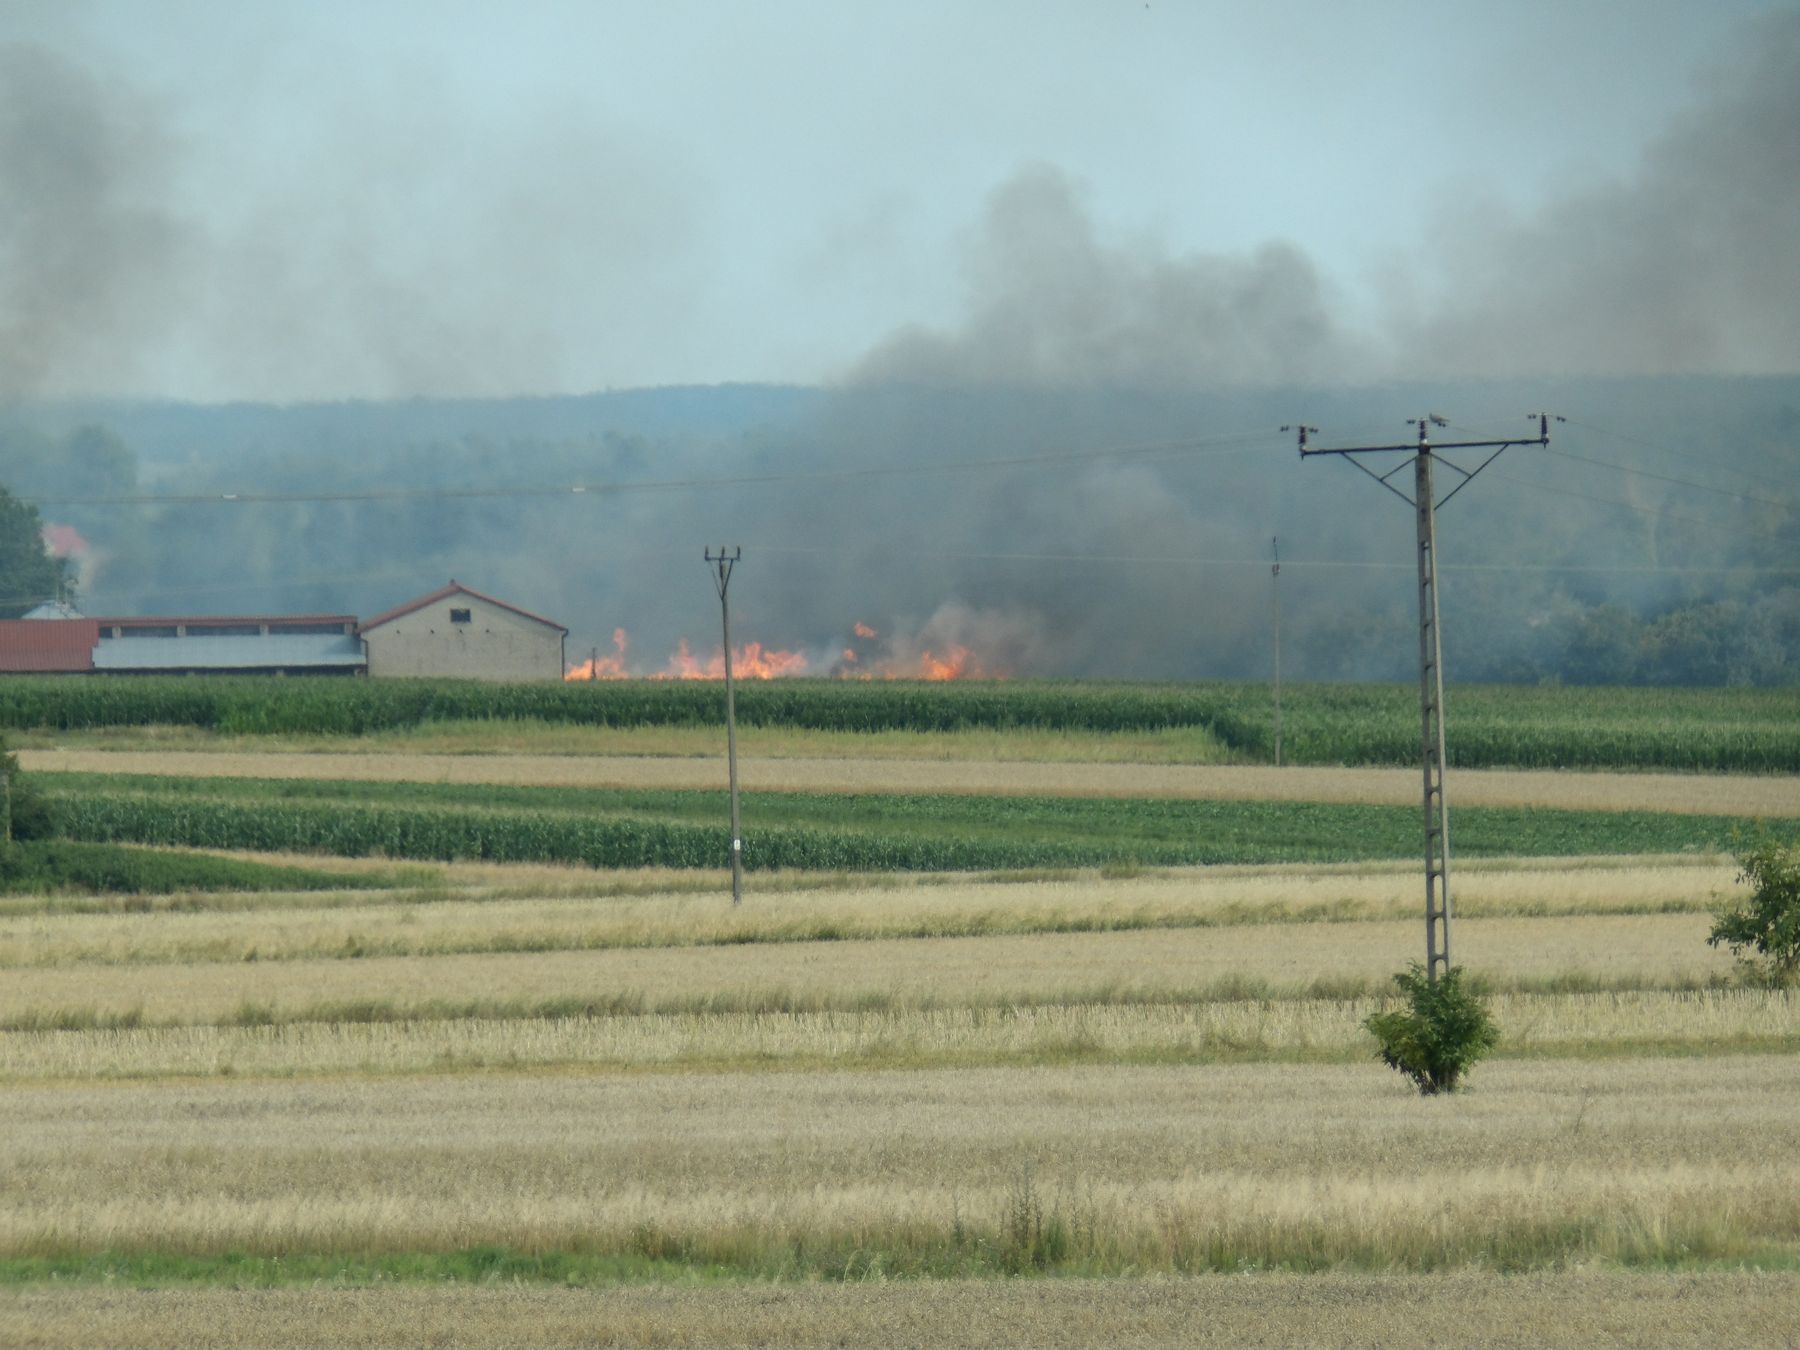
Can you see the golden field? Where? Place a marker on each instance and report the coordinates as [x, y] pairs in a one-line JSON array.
[[1155, 1168], [810, 1119], [1576, 1309]]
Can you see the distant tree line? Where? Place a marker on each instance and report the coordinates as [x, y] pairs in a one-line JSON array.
[[1699, 594]]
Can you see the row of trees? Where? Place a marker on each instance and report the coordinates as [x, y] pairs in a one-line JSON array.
[[28, 574], [1610, 587]]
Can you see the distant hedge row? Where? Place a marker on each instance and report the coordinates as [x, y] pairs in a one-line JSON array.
[[1742, 730]]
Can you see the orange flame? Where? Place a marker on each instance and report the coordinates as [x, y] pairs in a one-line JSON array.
[[598, 667], [753, 661], [954, 664]]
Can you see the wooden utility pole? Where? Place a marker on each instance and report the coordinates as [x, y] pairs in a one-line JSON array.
[[1425, 502], [721, 564]]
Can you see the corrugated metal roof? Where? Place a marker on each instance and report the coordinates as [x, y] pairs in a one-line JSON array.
[[276, 651], [444, 593], [52, 609], [47, 645], [221, 620]]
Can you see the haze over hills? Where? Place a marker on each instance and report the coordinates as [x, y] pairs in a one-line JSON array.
[[1072, 469], [1099, 532]]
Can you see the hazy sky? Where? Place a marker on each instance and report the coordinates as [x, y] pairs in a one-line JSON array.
[[339, 198]]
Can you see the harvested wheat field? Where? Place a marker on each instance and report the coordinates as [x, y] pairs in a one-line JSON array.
[[1102, 1167], [548, 1104], [1576, 1309]]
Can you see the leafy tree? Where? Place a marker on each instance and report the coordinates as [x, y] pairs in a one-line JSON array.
[[1443, 1030], [1764, 930], [28, 575]]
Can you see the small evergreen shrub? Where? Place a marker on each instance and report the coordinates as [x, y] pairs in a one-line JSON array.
[[1764, 931], [1443, 1030]]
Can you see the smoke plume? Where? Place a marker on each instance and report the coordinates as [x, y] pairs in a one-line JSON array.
[[87, 249], [1051, 305], [1689, 266]]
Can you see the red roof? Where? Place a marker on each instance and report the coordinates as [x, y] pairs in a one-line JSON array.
[[47, 645], [444, 593]]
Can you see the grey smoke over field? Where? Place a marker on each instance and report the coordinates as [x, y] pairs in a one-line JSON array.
[[399, 253], [1052, 305], [87, 247], [1690, 265], [407, 248], [888, 501]]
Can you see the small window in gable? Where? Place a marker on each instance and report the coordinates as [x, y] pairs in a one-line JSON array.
[[459, 616]]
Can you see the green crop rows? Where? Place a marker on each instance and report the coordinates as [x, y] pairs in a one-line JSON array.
[[817, 831], [1741, 730]]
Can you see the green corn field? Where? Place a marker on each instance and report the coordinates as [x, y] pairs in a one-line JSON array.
[[860, 833], [1700, 730]]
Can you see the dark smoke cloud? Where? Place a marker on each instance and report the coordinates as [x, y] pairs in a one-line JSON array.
[[88, 252], [1068, 341], [1052, 305], [397, 252], [1690, 266]]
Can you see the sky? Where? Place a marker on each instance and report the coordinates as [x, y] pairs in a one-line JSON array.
[[293, 202]]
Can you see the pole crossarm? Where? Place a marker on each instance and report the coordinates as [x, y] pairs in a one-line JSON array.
[[1425, 445], [1421, 456]]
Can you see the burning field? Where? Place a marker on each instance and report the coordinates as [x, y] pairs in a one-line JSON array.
[[864, 655]]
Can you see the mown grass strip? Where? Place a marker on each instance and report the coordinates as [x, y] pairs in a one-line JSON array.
[[1035, 1231]]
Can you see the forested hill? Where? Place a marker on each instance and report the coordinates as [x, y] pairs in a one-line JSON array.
[[1113, 532], [183, 433]]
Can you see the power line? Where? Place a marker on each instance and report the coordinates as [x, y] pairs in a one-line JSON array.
[[1231, 443], [1736, 529], [1681, 454], [1165, 559], [1715, 465], [1665, 478], [1288, 563]]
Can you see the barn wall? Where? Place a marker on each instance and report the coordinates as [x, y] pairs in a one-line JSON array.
[[496, 644]]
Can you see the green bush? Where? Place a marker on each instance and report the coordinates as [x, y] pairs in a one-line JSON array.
[[1444, 1029], [25, 812], [1764, 931]]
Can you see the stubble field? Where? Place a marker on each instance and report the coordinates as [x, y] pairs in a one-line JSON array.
[[538, 1104]]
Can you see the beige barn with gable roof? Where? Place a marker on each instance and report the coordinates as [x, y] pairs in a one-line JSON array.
[[461, 633]]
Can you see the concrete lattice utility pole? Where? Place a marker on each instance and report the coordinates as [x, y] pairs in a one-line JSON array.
[[1275, 575], [1425, 503], [721, 565]]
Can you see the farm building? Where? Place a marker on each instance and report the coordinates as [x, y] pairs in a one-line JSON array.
[[453, 632], [456, 631], [48, 646], [257, 644], [253, 644]]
